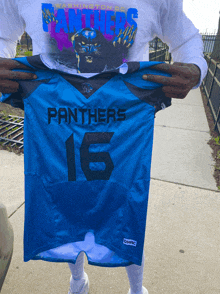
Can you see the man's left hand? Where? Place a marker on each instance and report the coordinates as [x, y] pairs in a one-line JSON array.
[[185, 76]]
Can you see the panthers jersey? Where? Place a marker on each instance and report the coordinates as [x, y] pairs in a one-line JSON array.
[[87, 155]]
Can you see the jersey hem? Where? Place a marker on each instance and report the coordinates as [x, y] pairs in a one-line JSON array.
[[99, 242], [124, 264]]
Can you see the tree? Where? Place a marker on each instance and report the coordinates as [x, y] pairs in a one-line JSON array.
[[216, 50]]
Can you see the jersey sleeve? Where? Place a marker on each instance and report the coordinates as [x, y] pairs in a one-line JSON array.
[[14, 99], [12, 27], [147, 91], [183, 38]]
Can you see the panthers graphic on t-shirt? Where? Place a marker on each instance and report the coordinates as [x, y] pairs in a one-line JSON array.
[[87, 153], [98, 35]]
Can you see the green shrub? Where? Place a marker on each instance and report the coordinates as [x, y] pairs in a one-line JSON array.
[[28, 53]]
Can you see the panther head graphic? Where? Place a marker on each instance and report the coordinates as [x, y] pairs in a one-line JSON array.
[[90, 47]]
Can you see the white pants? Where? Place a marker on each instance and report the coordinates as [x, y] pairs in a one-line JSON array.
[[134, 272]]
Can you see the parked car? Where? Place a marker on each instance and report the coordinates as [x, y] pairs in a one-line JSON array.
[[6, 244]]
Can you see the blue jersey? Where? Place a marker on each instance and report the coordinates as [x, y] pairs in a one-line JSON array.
[[87, 155]]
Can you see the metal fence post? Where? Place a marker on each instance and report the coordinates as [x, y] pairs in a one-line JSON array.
[[156, 49], [213, 79], [207, 56], [159, 52]]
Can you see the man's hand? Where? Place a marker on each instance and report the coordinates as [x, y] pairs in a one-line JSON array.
[[185, 76], [8, 77]]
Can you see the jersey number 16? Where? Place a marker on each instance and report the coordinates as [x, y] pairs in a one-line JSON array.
[[87, 157]]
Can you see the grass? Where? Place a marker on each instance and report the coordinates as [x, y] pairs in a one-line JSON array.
[[21, 52], [217, 140], [28, 53]]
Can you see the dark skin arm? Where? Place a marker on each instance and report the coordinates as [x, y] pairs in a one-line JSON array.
[[8, 77], [185, 76]]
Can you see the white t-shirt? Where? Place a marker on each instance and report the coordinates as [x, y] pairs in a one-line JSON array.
[[100, 35]]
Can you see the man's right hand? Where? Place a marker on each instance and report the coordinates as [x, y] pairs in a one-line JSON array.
[[8, 77]]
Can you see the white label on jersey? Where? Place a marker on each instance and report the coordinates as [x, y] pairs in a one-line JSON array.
[[130, 242], [163, 106]]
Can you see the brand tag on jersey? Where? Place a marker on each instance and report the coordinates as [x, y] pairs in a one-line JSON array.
[[129, 242]]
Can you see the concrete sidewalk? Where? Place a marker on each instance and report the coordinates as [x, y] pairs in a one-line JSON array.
[[182, 244]]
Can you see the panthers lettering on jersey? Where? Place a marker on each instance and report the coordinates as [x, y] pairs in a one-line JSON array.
[[87, 152]]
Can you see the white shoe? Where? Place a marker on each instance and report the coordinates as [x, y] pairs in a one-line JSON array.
[[144, 291], [80, 286]]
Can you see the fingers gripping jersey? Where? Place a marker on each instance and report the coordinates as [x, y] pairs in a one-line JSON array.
[[87, 151]]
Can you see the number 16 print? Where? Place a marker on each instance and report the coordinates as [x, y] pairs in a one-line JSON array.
[[87, 157]]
